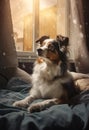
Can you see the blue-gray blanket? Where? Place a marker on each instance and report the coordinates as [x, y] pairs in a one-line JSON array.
[[58, 117]]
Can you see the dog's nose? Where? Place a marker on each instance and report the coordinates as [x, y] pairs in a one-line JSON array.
[[39, 52]]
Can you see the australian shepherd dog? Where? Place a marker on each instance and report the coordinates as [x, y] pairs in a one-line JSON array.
[[51, 79]]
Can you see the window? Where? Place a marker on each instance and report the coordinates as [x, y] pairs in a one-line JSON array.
[[34, 18]]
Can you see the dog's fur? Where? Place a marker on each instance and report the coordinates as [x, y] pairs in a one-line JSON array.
[[50, 79]]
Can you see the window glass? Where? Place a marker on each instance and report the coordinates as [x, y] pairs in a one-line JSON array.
[[22, 18], [34, 18]]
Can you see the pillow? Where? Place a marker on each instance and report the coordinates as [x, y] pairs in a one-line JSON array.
[[10, 72], [23, 75], [82, 84]]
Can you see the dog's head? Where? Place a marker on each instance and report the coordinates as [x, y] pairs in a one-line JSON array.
[[53, 49]]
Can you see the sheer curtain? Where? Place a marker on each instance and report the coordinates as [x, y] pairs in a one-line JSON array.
[[77, 36]]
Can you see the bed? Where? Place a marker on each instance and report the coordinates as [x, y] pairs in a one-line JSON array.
[[58, 117]]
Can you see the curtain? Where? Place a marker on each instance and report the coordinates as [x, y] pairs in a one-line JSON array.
[[8, 57], [79, 51]]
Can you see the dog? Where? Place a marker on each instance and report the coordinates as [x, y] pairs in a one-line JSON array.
[[51, 79]]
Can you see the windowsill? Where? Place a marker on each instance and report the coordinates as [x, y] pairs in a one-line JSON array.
[[26, 56], [31, 57]]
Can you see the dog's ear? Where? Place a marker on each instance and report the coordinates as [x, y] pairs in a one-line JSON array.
[[41, 39], [63, 42]]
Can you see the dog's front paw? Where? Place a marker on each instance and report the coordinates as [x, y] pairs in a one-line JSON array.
[[21, 103], [35, 108]]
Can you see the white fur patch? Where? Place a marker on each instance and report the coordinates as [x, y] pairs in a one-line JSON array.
[[43, 81]]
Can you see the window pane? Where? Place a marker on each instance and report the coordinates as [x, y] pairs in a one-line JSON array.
[[22, 18], [53, 17], [48, 18], [34, 18]]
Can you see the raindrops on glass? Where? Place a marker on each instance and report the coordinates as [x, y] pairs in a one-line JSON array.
[[3, 53], [74, 21], [81, 35], [80, 26]]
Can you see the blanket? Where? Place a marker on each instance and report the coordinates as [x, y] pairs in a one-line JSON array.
[[57, 117]]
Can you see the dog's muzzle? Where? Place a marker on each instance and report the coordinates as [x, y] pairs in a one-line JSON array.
[[40, 51]]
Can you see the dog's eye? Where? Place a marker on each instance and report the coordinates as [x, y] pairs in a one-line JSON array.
[[51, 48]]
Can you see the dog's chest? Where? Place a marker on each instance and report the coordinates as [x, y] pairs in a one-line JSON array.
[[51, 90], [43, 81], [48, 89]]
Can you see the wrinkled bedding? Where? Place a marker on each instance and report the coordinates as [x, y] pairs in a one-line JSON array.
[[58, 117]]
